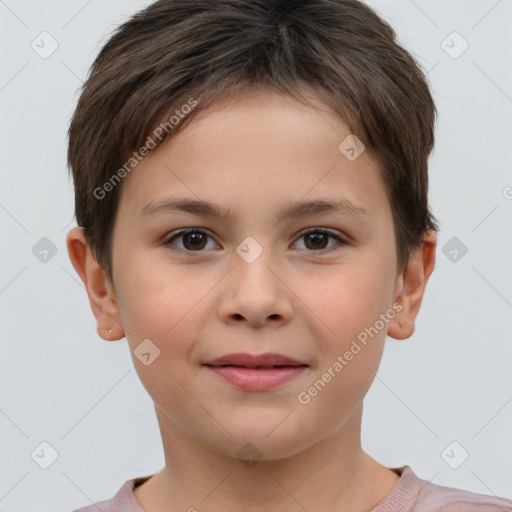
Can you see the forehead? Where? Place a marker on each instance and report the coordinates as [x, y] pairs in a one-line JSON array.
[[257, 142]]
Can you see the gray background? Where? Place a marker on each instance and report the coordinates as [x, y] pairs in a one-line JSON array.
[[62, 384]]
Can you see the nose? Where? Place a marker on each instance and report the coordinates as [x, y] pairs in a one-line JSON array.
[[256, 293]]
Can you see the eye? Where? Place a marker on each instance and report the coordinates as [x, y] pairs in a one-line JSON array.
[[318, 238], [193, 240]]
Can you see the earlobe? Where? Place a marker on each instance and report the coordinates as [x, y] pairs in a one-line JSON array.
[[101, 298], [413, 282]]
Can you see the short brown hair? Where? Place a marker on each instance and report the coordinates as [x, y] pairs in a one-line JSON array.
[[177, 49]]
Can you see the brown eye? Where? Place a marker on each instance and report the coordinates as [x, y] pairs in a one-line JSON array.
[[317, 239], [196, 240], [192, 240]]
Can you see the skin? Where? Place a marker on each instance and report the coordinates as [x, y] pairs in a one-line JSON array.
[[302, 298]]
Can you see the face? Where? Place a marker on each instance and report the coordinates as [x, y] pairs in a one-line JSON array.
[[308, 287]]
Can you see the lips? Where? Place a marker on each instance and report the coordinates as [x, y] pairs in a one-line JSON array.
[[256, 373], [263, 361]]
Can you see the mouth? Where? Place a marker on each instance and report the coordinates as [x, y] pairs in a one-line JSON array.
[[265, 361], [256, 373], [254, 367]]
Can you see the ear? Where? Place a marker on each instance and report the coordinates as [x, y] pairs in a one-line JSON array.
[[99, 289], [410, 287]]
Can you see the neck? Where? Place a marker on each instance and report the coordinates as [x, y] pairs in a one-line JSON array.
[[332, 474]]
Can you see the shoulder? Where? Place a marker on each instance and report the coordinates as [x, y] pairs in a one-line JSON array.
[[123, 501], [439, 498], [104, 506], [414, 494]]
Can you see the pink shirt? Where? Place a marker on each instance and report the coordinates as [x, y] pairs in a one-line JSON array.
[[410, 494]]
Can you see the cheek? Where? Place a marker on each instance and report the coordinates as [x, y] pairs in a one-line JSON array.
[[159, 304], [167, 304], [155, 296], [344, 300], [351, 306]]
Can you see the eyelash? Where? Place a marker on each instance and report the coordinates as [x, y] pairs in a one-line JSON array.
[[181, 233]]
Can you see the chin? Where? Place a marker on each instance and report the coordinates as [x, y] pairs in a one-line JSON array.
[[262, 440]]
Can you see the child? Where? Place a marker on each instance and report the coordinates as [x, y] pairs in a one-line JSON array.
[[258, 127]]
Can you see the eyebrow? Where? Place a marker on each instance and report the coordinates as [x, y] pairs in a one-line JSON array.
[[294, 210]]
